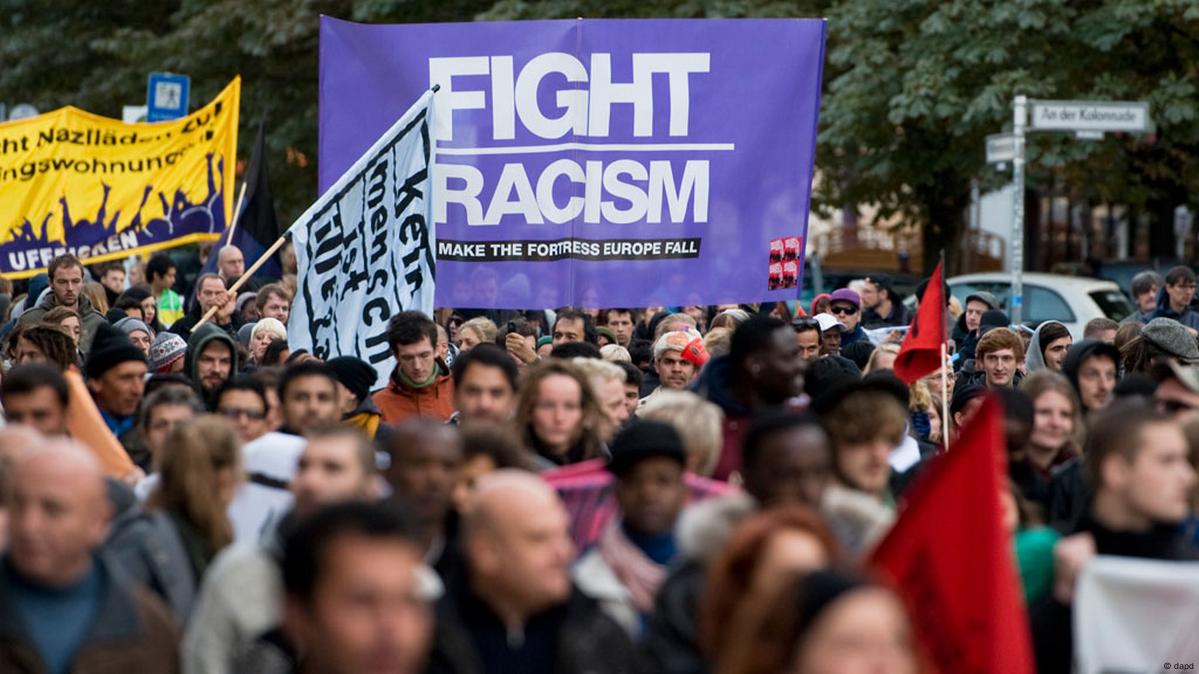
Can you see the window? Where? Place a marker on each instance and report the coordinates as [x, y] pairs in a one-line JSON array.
[[1113, 303], [1043, 304]]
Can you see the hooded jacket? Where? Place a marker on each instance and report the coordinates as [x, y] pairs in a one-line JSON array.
[[90, 319], [398, 402], [1188, 317], [1082, 351], [199, 339], [1035, 358]]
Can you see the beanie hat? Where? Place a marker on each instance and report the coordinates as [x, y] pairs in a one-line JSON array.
[[245, 333], [984, 297], [606, 332], [243, 298], [354, 374], [992, 319], [846, 295], [645, 440], [166, 349], [130, 325], [110, 348], [675, 340]]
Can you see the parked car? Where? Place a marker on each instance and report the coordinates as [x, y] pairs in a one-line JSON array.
[[1072, 300]]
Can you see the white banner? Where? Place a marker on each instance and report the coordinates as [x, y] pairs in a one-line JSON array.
[[1134, 616], [365, 249]]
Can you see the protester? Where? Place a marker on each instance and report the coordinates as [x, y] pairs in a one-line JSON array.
[[629, 563], [330, 562], [1174, 299], [696, 420], [557, 413], [1055, 438], [212, 358], [476, 331], [765, 553], [678, 357], [485, 384], [240, 596], [425, 457], [65, 608], [355, 377], [573, 326], [142, 296], [210, 292], [621, 323], [231, 264], [169, 546], [881, 305], [111, 275], [66, 290], [1048, 346], [1176, 394], [966, 331], [607, 385], [160, 274], [517, 581], [243, 402], [787, 462], [265, 331], [1160, 339], [273, 301], [420, 385], [882, 358], [140, 334], [998, 352], [116, 377], [168, 352], [1145, 286], [1091, 368], [809, 625], [832, 332], [1101, 329], [845, 305], [67, 320], [37, 396], [1137, 464]]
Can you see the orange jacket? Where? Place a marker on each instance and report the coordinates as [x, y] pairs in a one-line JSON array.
[[398, 402]]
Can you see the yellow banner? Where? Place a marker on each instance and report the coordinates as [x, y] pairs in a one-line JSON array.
[[100, 189]]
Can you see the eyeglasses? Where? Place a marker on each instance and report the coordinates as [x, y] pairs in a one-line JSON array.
[[848, 310], [235, 413]]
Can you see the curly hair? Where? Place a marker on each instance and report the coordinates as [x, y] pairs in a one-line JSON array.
[[55, 344]]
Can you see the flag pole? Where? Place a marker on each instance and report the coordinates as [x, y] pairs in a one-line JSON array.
[[241, 195], [246, 276], [944, 398]]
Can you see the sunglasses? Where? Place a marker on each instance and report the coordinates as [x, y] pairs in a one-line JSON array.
[[849, 310]]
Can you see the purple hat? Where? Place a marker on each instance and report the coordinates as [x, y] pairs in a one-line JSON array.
[[846, 295]]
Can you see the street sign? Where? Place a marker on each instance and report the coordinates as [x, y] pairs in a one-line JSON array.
[[1001, 147], [166, 96], [1131, 116]]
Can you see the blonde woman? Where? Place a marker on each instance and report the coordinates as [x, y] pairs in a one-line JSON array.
[[266, 331], [883, 358]]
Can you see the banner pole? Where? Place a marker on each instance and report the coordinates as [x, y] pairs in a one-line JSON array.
[[241, 195], [944, 399], [246, 276]]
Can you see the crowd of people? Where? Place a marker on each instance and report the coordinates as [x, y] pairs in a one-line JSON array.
[[665, 490]]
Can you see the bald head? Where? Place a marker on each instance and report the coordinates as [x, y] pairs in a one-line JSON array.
[[59, 513], [517, 544], [231, 262], [16, 439]]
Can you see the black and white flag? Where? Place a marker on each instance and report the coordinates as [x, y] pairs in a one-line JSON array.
[[365, 249]]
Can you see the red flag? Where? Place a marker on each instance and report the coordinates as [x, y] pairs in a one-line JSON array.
[[950, 559], [920, 352]]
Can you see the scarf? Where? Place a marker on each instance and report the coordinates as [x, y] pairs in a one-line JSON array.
[[640, 575], [416, 386], [366, 422]]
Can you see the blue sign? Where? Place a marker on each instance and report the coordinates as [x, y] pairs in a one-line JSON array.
[[166, 96]]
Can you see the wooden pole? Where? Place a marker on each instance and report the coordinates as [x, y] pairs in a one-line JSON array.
[[241, 195], [245, 277], [944, 398]]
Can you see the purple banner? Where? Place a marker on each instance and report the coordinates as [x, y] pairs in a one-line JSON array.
[[595, 163]]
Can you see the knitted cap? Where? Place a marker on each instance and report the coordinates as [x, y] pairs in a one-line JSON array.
[[165, 350], [354, 374], [110, 348]]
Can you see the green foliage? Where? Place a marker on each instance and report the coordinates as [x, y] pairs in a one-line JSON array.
[[911, 87]]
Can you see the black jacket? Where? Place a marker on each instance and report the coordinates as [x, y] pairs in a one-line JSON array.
[[669, 644], [573, 638], [1052, 622]]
